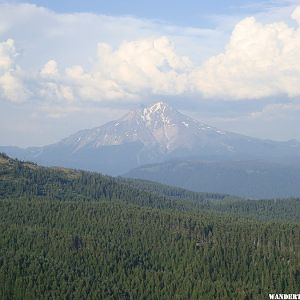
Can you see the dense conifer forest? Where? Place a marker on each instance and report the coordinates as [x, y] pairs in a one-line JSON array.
[[67, 234]]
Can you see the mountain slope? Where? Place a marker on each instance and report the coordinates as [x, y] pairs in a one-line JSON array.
[[150, 135], [25, 180], [252, 179], [66, 234]]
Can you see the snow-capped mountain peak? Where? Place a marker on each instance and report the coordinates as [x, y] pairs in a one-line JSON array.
[[158, 111], [157, 124], [152, 134], [159, 106]]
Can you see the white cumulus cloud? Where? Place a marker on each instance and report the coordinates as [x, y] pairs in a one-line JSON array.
[[296, 15], [260, 60], [150, 65], [50, 69], [135, 68], [12, 87]]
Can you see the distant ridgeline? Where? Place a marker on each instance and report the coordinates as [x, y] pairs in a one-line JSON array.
[[161, 144], [253, 179], [67, 234]]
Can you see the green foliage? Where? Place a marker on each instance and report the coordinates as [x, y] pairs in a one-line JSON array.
[[283, 210], [67, 234], [23, 179], [97, 250], [287, 210]]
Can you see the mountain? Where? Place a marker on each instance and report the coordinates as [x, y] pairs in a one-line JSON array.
[[152, 134], [251, 179]]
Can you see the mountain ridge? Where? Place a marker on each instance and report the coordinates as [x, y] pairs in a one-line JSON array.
[[152, 134], [253, 179]]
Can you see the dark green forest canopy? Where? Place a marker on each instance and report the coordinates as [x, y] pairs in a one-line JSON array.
[[108, 249], [68, 234], [270, 209], [25, 179]]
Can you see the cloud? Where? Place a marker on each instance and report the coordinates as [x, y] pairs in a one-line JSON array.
[[7, 54], [135, 69], [12, 87], [71, 38], [260, 60], [50, 69], [278, 110], [296, 15], [150, 65], [76, 84]]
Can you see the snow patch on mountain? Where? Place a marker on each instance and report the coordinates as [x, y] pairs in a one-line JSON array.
[[157, 125]]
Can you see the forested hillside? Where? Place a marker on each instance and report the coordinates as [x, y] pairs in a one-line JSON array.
[[254, 179], [287, 210], [27, 180], [67, 234]]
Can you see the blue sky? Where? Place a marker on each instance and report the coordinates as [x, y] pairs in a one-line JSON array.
[[70, 65], [187, 13]]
